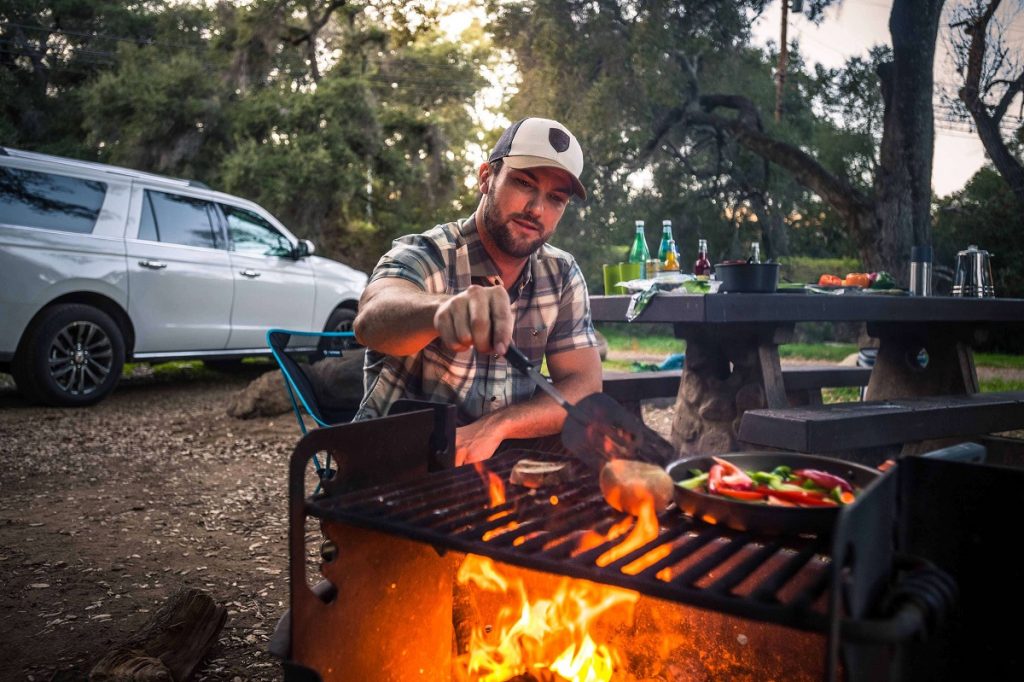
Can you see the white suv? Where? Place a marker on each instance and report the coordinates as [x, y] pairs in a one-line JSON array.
[[100, 264]]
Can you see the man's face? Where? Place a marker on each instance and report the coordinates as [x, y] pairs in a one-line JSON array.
[[523, 206]]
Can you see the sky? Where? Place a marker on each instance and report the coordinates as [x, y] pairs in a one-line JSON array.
[[850, 30]]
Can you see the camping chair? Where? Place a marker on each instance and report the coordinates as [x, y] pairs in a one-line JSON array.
[[302, 390]]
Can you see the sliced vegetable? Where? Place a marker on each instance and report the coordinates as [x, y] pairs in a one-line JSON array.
[[746, 495], [694, 482], [825, 479], [883, 280], [782, 486], [857, 279], [733, 476], [807, 498], [715, 478]]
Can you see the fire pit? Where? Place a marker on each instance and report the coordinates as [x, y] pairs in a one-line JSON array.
[[454, 574]]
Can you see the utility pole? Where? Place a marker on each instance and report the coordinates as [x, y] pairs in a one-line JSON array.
[[780, 71]]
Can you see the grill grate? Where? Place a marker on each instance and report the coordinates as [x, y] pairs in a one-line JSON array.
[[779, 580]]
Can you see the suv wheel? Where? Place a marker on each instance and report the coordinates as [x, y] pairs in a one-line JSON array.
[[72, 356], [340, 321]]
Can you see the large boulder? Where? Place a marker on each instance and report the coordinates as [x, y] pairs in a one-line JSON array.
[[336, 381]]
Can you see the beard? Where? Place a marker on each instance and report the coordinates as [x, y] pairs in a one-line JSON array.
[[500, 232]]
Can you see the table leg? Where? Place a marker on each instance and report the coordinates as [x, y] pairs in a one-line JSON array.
[[898, 373], [728, 370]]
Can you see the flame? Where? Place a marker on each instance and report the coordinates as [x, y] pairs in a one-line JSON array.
[[541, 636], [642, 529], [495, 486], [496, 493]]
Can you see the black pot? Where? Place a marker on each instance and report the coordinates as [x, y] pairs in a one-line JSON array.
[[748, 277]]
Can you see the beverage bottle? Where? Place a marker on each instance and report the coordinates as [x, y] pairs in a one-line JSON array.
[[703, 266], [755, 252], [666, 237], [671, 262], [639, 253]]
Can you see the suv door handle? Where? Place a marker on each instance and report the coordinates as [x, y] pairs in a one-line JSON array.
[[251, 274], [153, 264]]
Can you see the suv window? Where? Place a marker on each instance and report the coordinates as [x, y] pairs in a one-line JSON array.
[[49, 202], [176, 219], [254, 236]]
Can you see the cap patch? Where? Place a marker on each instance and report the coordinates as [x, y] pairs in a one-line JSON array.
[[558, 139]]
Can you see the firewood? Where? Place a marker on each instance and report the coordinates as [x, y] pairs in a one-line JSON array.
[[170, 645]]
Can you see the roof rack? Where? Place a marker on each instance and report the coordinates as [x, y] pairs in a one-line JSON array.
[[105, 167]]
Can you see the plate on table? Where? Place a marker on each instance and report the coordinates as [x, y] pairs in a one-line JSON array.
[[834, 290]]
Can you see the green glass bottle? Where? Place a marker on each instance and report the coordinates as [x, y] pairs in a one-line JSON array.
[[666, 237], [639, 253]]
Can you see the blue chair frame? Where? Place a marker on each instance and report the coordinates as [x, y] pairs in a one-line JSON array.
[[300, 388]]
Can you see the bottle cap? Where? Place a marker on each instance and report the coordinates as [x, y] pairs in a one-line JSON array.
[[921, 253]]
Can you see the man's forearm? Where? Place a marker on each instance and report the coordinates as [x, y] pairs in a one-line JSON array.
[[397, 321], [536, 416]]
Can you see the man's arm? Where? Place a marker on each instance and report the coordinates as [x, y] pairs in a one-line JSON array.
[[575, 373], [396, 317]]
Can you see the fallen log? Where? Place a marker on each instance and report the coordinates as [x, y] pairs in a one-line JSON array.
[[169, 646]]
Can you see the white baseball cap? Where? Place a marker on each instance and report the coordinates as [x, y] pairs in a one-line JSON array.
[[539, 142]]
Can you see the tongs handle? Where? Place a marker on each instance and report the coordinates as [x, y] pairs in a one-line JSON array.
[[517, 359]]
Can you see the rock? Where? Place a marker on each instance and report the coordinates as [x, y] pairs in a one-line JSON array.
[[265, 396], [336, 381]]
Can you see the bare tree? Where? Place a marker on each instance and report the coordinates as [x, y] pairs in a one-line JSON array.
[[993, 76], [897, 213]]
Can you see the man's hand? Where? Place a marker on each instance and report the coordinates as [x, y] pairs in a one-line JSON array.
[[476, 442], [479, 317]]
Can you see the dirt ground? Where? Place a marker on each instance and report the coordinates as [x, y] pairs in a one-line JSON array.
[[106, 511]]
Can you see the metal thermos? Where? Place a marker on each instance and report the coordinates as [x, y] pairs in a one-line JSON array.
[[921, 271]]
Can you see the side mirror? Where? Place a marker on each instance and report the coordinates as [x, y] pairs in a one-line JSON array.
[[304, 248]]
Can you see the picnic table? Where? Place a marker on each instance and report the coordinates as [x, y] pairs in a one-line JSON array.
[[733, 366]]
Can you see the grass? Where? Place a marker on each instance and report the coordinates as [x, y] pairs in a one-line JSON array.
[[622, 338], [833, 352]]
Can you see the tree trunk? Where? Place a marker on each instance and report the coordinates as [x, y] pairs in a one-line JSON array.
[[902, 185]]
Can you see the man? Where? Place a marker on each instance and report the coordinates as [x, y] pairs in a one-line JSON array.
[[442, 307]]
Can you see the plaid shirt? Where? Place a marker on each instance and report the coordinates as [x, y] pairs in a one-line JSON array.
[[549, 304]]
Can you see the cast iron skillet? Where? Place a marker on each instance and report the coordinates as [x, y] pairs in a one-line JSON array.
[[757, 516]]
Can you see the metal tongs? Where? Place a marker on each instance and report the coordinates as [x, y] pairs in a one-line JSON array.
[[598, 428]]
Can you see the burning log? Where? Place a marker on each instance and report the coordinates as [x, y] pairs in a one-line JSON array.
[[171, 644]]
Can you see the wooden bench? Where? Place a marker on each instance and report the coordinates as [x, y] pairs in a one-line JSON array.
[[852, 426], [803, 384]]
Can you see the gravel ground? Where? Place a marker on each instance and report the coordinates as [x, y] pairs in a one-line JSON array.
[[106, 511]]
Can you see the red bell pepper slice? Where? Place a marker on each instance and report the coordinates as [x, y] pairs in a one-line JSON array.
[[805, 497], [715, 478], [733, 476], [747, 495], [825, 479]]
